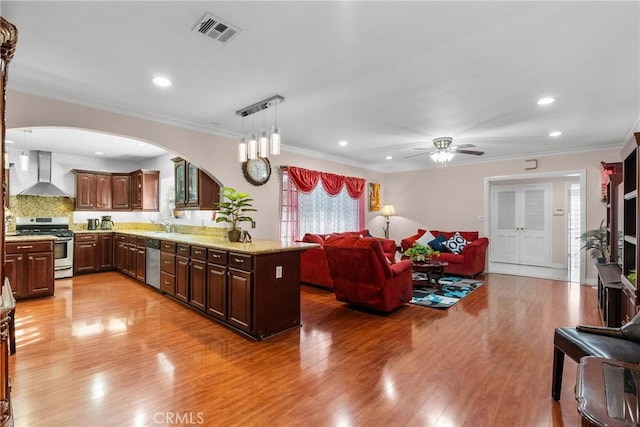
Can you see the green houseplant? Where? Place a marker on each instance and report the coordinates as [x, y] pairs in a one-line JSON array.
[[419, 252], [595, 241], [234, 210]]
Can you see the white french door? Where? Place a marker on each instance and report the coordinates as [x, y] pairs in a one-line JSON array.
[[521, 224]]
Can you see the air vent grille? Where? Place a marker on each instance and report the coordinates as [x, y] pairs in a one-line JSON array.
[[216, 28]]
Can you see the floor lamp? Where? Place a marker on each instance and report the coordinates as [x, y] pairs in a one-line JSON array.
[[387, 211]]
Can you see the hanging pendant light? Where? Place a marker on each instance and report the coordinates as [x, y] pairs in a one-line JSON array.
[[264, 143], [275, 133], [24, 154], [242, 150]]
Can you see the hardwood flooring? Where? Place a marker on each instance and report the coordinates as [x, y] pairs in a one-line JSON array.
[[108, 351]]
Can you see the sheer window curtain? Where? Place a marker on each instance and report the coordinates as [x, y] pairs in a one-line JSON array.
[[334, 206]]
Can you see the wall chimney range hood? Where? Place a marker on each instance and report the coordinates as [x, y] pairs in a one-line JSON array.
[[43, 187]]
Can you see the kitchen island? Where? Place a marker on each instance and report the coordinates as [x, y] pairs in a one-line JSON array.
[[254, 288]]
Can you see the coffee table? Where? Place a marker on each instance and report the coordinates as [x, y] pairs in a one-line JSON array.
[[434, 270]]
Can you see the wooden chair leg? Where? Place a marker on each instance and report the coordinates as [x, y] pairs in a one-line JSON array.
[[558, 365]]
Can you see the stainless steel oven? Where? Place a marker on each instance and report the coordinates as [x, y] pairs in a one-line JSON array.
[[63, 245]]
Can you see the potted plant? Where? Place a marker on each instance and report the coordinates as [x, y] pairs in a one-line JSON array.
[[595, 241], [419, 252], [234, 210]]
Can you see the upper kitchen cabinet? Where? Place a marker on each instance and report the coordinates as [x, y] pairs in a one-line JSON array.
[[145, 190], [194, 189], [93, 190], [121, 191], [106, 191]]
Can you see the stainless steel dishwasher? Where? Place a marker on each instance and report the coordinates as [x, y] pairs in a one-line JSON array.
[[152, 258]]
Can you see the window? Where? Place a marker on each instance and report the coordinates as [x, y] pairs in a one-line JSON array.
[[317, 210]]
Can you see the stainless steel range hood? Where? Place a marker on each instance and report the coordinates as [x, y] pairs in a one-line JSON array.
[[43, 187]]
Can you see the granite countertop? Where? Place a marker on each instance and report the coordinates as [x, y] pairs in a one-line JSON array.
[[256, 247], [16, 238]]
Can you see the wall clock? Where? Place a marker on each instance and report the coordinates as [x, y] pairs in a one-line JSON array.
[[257, 171]]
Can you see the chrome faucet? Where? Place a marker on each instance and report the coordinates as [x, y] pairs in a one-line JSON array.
[[167, 225]]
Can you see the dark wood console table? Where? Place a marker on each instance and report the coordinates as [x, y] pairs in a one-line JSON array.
[[608, 392], [610, 294]]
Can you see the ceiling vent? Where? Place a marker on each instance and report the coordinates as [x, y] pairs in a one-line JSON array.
[[216, 28]]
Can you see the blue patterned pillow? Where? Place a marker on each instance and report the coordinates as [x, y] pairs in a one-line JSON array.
[[455, 244], [437, 243]]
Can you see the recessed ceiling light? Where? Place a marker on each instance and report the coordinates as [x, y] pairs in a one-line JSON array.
[[99, 153], [555, 133], [389, 157], [161, 81], [8, 141], [546, 101], [343, 143]]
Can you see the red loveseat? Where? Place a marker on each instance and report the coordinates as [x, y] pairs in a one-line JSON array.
[[363, 276], [314, 268], [468, 263]]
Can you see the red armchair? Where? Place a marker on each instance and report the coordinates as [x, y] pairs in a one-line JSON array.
[[363, 276], [314, 268], [468, 263]]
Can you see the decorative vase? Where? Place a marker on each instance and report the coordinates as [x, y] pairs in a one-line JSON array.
[[234, 234]]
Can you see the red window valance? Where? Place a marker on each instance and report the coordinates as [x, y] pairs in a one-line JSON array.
[[306, 180]]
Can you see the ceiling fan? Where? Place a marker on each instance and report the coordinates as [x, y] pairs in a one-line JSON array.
[[444, 151]]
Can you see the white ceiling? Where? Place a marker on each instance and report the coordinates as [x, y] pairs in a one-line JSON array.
[[388, 77]]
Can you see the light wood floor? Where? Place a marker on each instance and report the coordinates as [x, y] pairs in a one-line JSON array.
[[107, 351]]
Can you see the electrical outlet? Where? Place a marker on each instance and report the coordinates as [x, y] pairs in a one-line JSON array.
[[279, 272], [253, 224]]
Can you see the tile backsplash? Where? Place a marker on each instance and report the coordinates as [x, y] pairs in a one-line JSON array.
[[64, 206]]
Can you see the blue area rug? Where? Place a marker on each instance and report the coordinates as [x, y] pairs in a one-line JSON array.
[[453, 290]]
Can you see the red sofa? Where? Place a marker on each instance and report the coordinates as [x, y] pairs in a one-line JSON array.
[[363, 276], [314, 268], [468, 263]]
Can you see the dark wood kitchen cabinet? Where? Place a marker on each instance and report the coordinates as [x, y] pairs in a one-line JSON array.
[[106, 191], [194, 189], [121, 242], [85, 253], [168, 268], [141, 261], [105, 252], [198, 282], [121, 191], [92, 252], [182, 272], [145, 190], [217, 283], [93, 190], [29, 268]]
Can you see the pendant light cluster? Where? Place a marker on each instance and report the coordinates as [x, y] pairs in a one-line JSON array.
[[260, 144]]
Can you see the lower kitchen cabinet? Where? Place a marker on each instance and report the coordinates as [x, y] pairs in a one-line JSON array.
[[141, 260], [168, 268], [216, 294], [182, 272], [198, 282], [240, 299], [29, 268], [92, 252]]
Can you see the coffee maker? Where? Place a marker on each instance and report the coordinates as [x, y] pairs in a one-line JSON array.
[[106, 223], [93, 223]]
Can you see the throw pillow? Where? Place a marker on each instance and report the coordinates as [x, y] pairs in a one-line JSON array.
[[437, 243], [425, 238], [456, 243]]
